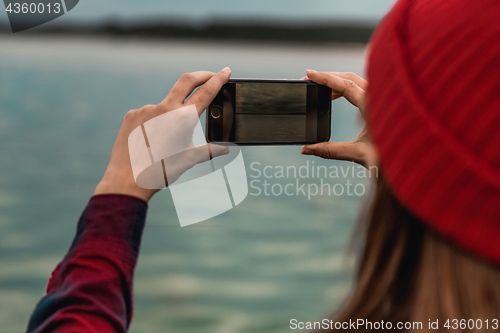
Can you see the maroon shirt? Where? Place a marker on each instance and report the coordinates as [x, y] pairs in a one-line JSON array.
[[91, 288]]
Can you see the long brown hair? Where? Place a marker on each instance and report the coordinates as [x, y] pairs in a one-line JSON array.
[[409, 274]]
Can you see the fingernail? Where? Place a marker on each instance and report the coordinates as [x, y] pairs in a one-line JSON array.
[[305, 151], [226, 69], [311, 71]]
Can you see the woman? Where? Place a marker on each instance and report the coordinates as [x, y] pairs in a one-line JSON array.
[[431, 241]]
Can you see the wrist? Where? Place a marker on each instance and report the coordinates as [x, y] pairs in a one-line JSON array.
[[111, 186]]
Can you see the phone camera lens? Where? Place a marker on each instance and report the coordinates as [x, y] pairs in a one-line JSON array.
[[215, 112]]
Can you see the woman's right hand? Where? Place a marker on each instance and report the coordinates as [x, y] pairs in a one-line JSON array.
[[353, 88]]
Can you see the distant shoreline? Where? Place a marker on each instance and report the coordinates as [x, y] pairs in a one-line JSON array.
[[245, 31]]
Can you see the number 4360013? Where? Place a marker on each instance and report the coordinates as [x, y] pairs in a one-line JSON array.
[[33, 8], [471, 324]]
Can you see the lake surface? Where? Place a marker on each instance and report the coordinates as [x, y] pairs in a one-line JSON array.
[[251, 269]]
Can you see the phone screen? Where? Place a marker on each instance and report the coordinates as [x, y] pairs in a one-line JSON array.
[[269, 112]]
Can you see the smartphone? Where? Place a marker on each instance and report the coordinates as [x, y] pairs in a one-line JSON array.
[[270, 112]]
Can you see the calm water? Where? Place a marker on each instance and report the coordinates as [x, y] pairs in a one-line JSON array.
[[251, 269]]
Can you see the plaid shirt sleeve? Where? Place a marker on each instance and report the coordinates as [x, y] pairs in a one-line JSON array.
[[91, 288]]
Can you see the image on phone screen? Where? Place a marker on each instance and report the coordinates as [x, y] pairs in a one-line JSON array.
[[263, 112]]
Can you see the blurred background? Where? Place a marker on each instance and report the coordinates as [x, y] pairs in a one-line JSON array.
[[64, 88]]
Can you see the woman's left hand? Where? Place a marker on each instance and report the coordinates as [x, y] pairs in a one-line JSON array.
[[118, 178]]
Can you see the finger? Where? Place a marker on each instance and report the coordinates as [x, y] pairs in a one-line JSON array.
[[347, 88], [334, 94], [217, 150], [208, 91], [346, 151], [206, 152], [353, 77], [185, 86]]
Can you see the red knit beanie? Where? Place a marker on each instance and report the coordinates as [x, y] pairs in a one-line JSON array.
[[434, 114]]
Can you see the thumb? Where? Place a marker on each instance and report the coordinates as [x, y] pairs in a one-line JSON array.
[[206, 152], [217, 150], [347, 151]]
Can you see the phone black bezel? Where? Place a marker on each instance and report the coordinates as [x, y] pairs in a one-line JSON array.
[[324, 113]]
